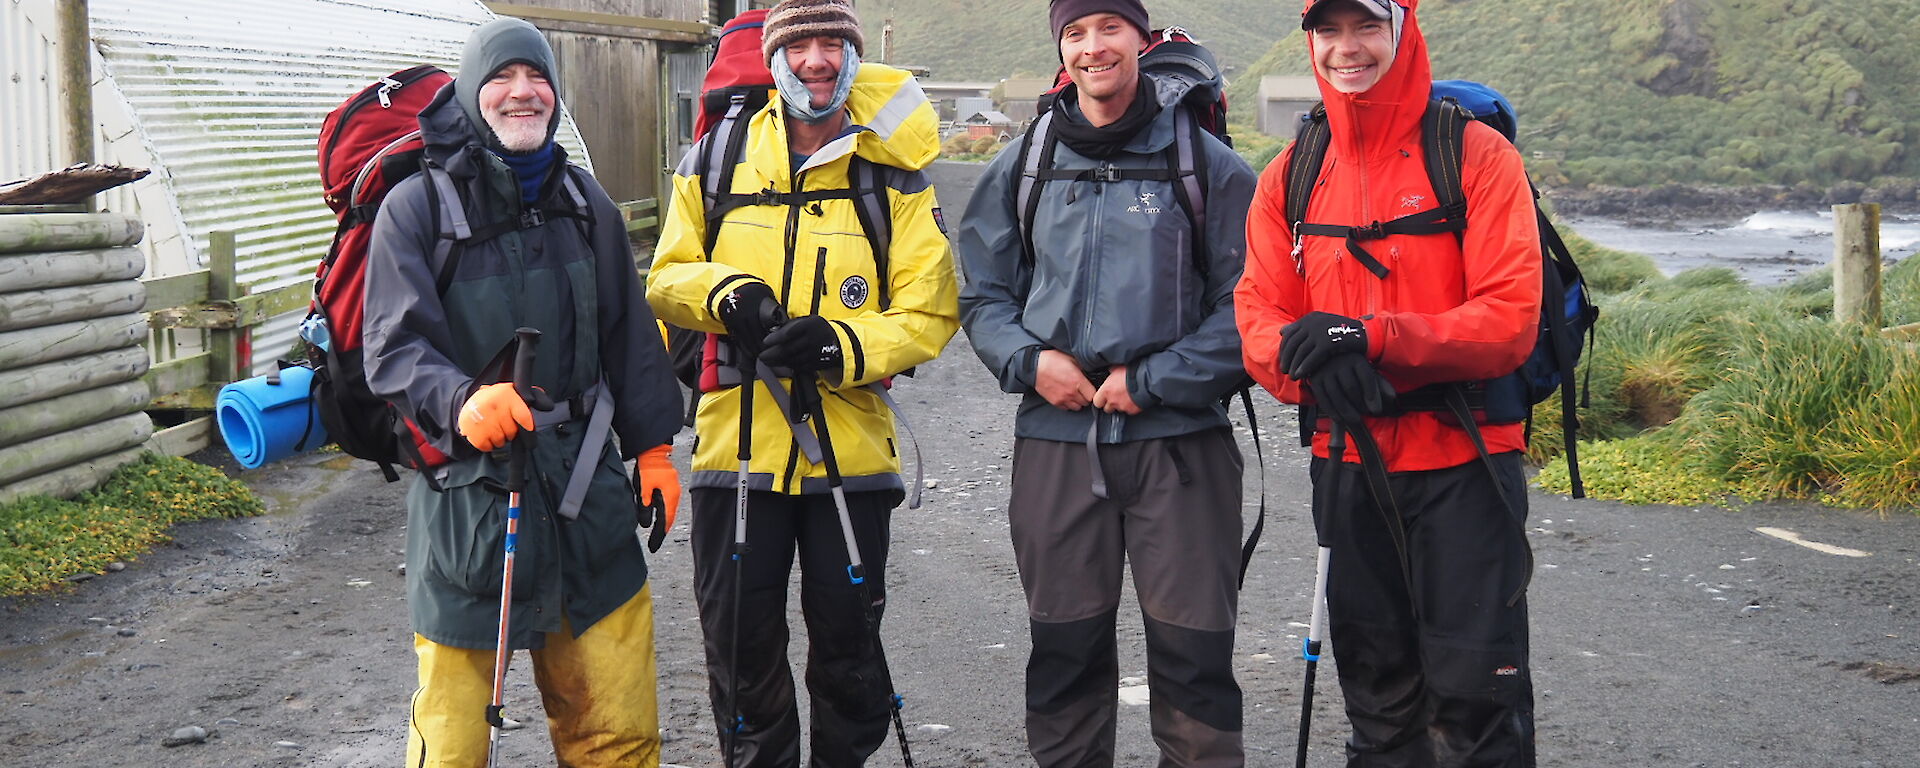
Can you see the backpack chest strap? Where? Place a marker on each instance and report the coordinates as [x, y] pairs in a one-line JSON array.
[[1432, 221]]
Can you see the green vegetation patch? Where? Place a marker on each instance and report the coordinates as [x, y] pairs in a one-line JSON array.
[[1638, 470], [44, 540], [1702, 387]]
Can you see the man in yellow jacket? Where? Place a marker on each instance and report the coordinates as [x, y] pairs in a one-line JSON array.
[[828, 294]]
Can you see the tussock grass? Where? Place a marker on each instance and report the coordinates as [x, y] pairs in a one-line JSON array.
[[1702, 379], [44, 540]]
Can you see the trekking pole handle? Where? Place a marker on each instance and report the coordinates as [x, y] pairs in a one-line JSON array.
[[524, 341]]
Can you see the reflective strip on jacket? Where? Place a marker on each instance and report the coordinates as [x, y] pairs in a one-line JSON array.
[[1450, 310], [818, 261]]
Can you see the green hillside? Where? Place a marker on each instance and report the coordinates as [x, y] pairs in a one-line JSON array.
[[992, 39], [1642, 92]]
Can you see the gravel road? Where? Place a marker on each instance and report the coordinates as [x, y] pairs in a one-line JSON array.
[[1662, 636]]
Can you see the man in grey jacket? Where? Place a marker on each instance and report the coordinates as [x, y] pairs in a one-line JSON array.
[[501, 233], [1120, 336]]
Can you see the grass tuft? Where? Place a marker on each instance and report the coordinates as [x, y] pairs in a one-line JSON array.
[[44, 540]]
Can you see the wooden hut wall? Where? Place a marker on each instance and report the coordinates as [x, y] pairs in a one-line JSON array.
[[72, 331]]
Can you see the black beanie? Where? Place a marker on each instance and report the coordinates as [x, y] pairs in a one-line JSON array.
[[493, 47], [1064, 12]]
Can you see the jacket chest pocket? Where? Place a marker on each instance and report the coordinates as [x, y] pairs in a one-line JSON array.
[[840, 271]]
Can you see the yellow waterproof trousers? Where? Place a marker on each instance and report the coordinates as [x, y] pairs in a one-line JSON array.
[[598, 690]]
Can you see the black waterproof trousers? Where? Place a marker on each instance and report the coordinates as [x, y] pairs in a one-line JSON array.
[[1430, 644], [848, 697], [1173, 514]]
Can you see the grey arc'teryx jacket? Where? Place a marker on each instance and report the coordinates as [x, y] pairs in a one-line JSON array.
[[1114, 280]]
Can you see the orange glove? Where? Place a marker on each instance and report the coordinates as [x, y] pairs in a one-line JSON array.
[[493, 415], [656, 487]]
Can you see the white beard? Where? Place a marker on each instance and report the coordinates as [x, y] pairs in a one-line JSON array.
[[518, 135]]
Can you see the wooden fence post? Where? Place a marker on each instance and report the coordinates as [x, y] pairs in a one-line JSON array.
[[1856, 264], [222, 285], [76, 82]]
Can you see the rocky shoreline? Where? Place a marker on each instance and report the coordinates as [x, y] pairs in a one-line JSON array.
[[1671, 203]]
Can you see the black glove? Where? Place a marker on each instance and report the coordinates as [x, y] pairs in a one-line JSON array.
[[1348, 387], [805, 343], [1309, 342], [750, 311]]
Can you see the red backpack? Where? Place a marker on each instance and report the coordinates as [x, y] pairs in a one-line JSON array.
[[368, 145]]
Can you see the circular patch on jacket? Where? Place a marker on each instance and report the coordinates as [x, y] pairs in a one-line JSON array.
[[853, 292]]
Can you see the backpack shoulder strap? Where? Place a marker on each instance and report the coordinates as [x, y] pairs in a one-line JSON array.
[[450, 226], [1187, 160], [721, 148], [1303, 167], [1037, 157], [875, 210], [1443, 131]]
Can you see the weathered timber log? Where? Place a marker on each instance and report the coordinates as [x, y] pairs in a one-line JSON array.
[[74, 374], [36, 457], [71, 480], [56, 269], [32, 309], [68, 231], [32, 346], [36, 420], [183, 439]]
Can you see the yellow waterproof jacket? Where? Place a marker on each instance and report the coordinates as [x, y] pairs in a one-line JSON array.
[[818, 260]]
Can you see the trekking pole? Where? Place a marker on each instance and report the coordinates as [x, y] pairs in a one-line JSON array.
[[736, 723], [517, 450], [1310, 647], [856, 569]]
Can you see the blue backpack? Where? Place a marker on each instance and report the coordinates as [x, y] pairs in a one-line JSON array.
[[1567, 310]]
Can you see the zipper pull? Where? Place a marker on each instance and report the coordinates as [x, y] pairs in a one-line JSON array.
[[1299, 264], [387, 86]]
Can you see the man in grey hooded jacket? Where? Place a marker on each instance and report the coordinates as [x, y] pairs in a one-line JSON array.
[[1121, 339], [501, 233]]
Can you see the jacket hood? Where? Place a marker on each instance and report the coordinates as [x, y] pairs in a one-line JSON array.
[[1376, 121], [491, 48], [893, 123]]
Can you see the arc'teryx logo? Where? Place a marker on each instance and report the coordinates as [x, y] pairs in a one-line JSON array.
[[1146, 204]]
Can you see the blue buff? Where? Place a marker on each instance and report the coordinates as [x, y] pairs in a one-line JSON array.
[[531, 169], [799, 101]]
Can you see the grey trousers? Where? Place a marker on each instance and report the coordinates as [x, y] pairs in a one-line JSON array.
[[1173, 514]]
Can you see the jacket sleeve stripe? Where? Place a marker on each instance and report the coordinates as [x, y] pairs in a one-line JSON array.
[[855, 353]]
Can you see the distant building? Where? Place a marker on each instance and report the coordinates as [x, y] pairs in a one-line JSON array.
[[1284, 101], [967, 106], [946, 96], [1019, 94], [988, 124]]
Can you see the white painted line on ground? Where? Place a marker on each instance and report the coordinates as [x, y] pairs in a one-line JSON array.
[[1794, 538]]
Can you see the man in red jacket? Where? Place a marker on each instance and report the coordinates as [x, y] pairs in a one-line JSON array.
[[1429, 565]]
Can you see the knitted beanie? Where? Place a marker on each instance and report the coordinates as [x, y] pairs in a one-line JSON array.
[[792, 20], [1064, 12]]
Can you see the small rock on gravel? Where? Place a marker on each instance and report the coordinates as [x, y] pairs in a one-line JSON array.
[[191, 734], [116, 566], [288, 745], [127, 632]]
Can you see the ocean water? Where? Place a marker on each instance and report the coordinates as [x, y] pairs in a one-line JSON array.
[[1766, 248]]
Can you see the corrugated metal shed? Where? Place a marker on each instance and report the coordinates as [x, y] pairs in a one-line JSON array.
[[227, 100], [224, 102], [29, 90]]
